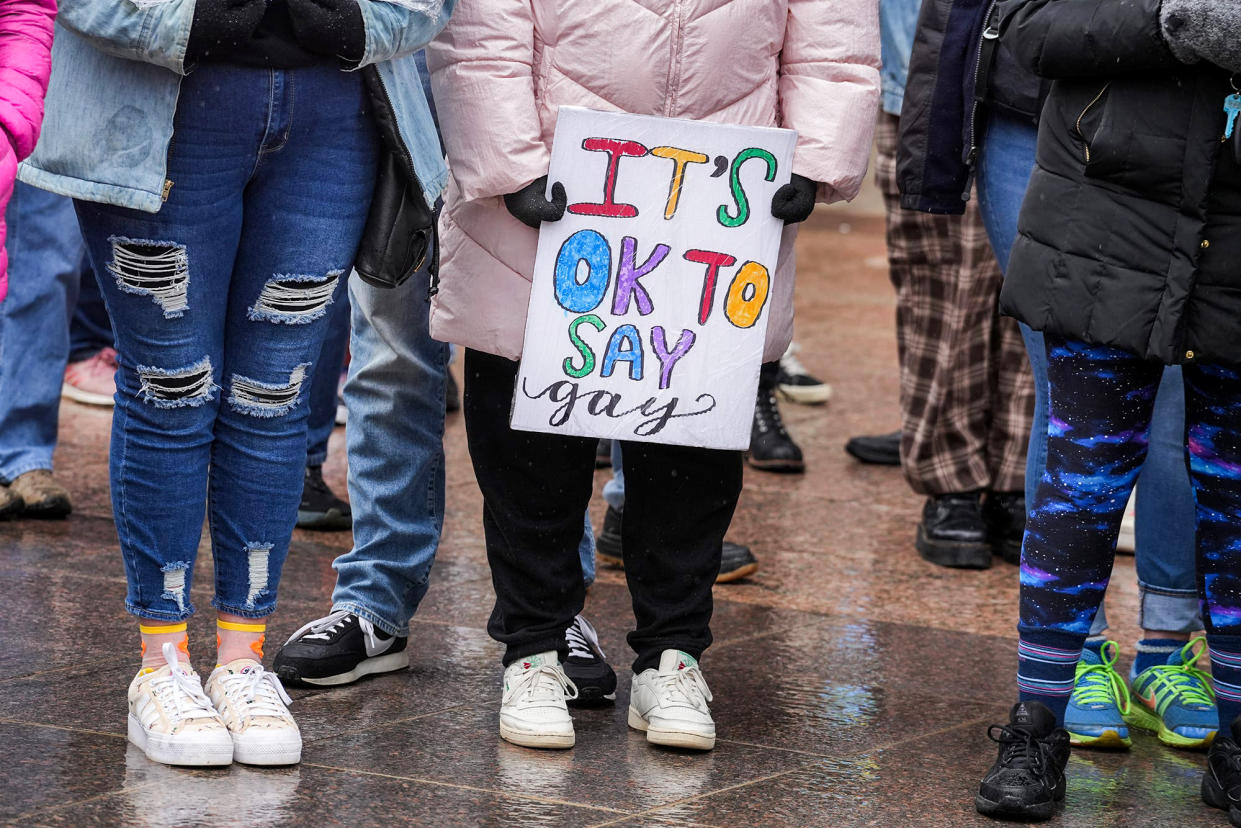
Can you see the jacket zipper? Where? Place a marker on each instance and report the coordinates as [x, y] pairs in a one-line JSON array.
[[1077, 125], [408, 158], [989, 32], [674, 71]]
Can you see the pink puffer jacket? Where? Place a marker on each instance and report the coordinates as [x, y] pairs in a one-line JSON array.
[[25, 62], [502, 68]]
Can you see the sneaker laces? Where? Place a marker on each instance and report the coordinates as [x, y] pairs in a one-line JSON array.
[[1019, 748], [256, 692], [542, 683], [580, 636], [322, 628], [1100, 683], [688, 683], [791, 364], [1184, 682], [180, 693]]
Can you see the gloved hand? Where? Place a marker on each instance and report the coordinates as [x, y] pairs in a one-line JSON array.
[[1207, 30], [529, 206], [333, 28], [794, 201], [222, 26]]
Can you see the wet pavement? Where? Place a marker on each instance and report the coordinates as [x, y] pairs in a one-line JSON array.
[[853, 682]]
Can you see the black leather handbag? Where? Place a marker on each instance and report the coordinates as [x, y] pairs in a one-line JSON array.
[[400, 227]]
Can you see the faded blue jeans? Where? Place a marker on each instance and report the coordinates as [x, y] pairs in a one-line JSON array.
[[1167, 580], [219, 303]]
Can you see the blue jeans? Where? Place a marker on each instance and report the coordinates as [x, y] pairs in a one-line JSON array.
[[90, 331], [1165, 528], [395, 398], [219, 303], [45, 261], [325, 380]]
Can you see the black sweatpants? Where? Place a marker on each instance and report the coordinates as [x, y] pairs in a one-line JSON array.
[[536, 487]]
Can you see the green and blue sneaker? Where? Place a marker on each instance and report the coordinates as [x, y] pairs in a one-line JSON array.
[[1176, 700], [1095, 717]]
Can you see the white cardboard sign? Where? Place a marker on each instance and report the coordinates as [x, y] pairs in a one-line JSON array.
[[648, 309]]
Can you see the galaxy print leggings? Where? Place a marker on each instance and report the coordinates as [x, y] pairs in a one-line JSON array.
[[1101, 402]]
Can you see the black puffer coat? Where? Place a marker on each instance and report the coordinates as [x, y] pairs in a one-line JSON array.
[[1130, 234]]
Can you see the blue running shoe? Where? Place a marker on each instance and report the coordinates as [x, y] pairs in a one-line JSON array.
[[1095, 717], [1176, 700]]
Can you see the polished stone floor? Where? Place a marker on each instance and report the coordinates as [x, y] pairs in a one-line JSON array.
[[853, 682]]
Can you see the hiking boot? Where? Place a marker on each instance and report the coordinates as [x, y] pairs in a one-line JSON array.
[[533, 712], [771, 447], [876, 449], [1027, 779], [91, 381], [952, 532], [1176, 700], [321, 510], [339, 648], [42, 496], [586, 665], [1221, 784], [1004, 515], [10, 504], [670, 704], [1095, 717], [797, 384]]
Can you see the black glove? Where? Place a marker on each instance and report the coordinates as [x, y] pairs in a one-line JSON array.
[[529, 206], [333, 28], [794, 201], [222, 26], [1203, 30]]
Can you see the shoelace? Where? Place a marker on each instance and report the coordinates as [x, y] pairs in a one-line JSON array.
[[1183, 682], [544, 683], [688, 683], [580, 636], [179, 693], [791, 364], [322, 628], [1020, 748], [1100, 683], [256, 692]]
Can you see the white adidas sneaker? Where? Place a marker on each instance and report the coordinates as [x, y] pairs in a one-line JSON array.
[[171, 719], [533, 712], [252, 703], [670, 703]]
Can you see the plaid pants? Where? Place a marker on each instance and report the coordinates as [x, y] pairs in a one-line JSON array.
[[967, 394]]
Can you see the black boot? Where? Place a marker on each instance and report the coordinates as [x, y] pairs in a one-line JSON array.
[[1027, 779], [952, 532], [608, 539], [321, 509], [1221, 784], [876, 449], [771, 447], [1004, 515]]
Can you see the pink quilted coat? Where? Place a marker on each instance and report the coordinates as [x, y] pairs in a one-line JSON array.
[[25, 61], [502, 67]]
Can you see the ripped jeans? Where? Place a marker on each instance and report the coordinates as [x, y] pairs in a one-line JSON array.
[[219, 303]]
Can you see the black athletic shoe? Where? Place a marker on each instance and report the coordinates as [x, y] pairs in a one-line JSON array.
[[736, 562], [338, 649], [876, 449], [771, 447], [321, 509], [952, 532], [603, 454], [608, 540], [452, 396], [1004, 515], [1027, 779], [1221, 784], [586, 666]]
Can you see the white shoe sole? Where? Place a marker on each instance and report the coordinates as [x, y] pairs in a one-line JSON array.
[[806, 395], [85, 397], [546, 741], [167, 751], [369, 667], [668, 737], [272, 753]]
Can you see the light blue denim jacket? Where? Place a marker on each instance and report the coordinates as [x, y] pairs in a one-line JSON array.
[[898, 20], [116, 75]]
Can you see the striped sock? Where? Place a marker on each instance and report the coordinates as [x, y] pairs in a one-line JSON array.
[[1226, 676], [1046, 668], [1151, 652]]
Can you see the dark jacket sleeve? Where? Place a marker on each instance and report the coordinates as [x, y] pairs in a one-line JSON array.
[[1067, 39]]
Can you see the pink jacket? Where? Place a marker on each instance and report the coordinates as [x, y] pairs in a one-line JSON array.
[[502, 67], [25, 62]]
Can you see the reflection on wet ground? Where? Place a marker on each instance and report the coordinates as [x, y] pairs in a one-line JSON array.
[[853, 682]]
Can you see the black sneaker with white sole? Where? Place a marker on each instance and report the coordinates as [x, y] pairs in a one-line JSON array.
[[339, 648], [586, 666]]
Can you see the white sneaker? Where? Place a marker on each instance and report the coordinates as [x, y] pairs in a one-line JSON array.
[[171, 719], [533, 712], [670, 703], [253, 703]]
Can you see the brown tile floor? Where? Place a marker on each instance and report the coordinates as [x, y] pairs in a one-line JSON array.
[[853, 681]]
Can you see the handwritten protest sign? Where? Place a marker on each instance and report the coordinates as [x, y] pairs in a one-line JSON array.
[[647, 312]]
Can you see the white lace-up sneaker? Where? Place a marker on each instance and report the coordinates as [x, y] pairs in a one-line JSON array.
[[533, 712], [253, 703], [670, 703], [171, 719]]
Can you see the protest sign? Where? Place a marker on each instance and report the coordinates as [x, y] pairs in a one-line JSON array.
[[646, 318]]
